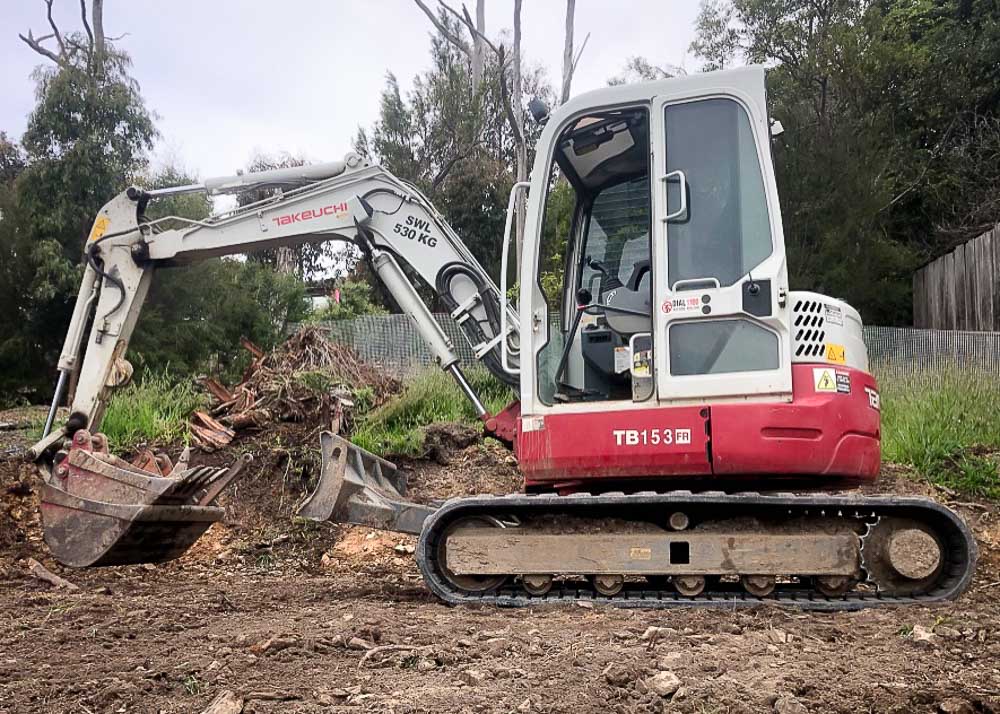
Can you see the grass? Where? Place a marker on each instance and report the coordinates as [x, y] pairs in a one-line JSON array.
[[946, 424], [432, 396], [154, 410]]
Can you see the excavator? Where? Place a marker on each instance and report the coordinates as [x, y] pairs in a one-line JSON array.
[[691, 431]]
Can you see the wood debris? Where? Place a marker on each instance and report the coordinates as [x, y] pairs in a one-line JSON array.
[[225, 702], [39, 571], [308, 378]]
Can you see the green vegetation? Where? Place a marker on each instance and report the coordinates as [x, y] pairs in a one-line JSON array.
[[395, 427], [357, 297], [153, 410], [944, 423]]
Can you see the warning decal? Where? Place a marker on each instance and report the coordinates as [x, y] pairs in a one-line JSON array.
[[824, 380], [836, 353]]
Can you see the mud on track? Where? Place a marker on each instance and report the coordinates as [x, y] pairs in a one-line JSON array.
[[291, 617]]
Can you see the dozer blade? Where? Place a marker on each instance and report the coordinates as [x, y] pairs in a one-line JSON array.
[[356, 486], [100, 510]]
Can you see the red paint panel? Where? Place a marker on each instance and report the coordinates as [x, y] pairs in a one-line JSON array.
[[820, 432], [605, 445]]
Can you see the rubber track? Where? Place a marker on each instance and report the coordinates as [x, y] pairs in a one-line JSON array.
[[959, 551]]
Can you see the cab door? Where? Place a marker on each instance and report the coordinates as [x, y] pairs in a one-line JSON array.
[[721, 314]]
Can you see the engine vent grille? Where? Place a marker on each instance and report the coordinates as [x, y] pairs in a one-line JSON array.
[[807, 324]]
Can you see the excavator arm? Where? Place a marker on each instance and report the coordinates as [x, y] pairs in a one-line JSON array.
[[351, 200], [100, 510]]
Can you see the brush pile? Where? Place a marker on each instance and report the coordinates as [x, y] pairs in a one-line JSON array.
[[306, 379]]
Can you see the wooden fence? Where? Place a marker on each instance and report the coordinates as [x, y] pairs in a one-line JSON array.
[[961, 290]]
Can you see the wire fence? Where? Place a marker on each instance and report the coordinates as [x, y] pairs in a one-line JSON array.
[[393, 342]]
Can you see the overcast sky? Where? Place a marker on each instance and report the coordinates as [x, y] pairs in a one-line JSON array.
[[228, 78]]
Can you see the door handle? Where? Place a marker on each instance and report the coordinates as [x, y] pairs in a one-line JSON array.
[[696, 284], [683, 184]]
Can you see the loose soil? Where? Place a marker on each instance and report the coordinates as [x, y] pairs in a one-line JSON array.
[[294, 616]]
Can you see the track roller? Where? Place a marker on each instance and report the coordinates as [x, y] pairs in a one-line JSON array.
[[689, 585], [758, 585], [537, 584], [608, 585]]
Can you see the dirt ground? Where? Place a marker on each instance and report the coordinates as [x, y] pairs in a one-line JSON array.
[[309, 618]]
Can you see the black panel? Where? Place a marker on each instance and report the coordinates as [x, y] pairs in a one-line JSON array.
[[757, 298]]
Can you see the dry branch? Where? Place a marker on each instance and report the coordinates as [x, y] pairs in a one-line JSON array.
[[39, 571], [225, 702]]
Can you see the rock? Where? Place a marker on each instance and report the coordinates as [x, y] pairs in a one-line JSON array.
[[669, 660], [657, 633], [472, 677], [356, 643], [922, 634], [426, 665], [663, 683], [945, 631], [524, 706], [787, 704], [617, 675], [404, 549], [585, 604], [955, 705]]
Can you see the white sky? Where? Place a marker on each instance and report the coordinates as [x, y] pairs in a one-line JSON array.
[[228, 78]]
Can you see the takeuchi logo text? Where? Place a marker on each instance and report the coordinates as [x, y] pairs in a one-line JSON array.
[[334, 209]]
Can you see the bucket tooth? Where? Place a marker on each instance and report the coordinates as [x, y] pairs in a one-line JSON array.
[[98, 509], [356, 486]]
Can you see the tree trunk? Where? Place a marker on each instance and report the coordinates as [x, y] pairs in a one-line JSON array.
[[521, 151], [285, 261], [97, 14], [478, 46], [567, 71]]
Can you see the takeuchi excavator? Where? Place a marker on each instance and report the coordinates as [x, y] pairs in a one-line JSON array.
[[682, 414]]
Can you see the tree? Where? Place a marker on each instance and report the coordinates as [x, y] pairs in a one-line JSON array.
[[639, 69], [453, 142], [717, 40], [891, 112], [85, 141], [569, 60], [512, 98], [185, 328]]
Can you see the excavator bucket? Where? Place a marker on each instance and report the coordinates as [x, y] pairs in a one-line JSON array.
[[100, 510], [356, 486]]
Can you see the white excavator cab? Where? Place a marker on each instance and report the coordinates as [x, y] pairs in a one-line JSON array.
[[674, 239]]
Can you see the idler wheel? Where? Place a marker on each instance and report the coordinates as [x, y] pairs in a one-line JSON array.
[[470, 583], [913, 553]]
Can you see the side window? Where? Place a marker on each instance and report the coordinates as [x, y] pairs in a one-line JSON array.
[[595, 248], [725, 233]]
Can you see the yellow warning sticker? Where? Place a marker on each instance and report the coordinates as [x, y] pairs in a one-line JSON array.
[[100, 228], [824, 379], [836, 353], [640, 553]]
